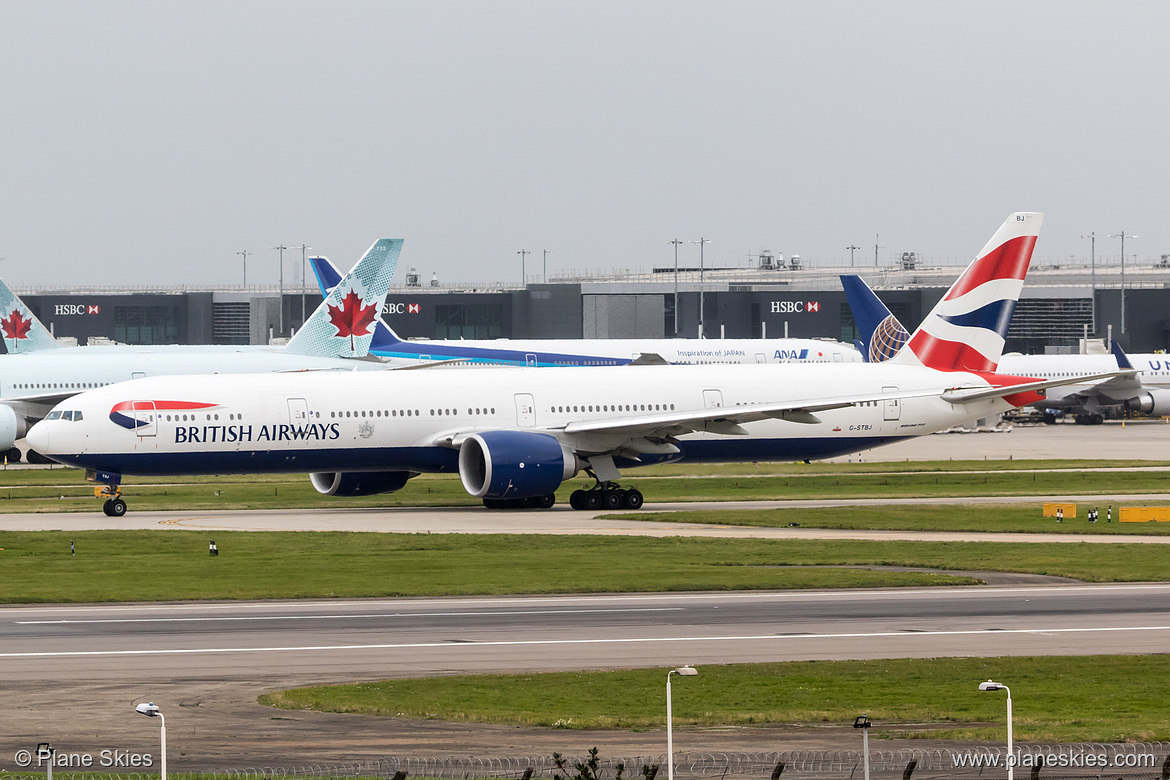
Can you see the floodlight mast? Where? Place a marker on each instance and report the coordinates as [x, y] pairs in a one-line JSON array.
[[991, 685], [682, 671], [151, 710]]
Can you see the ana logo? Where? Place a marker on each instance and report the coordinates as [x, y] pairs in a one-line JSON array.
[[15, 326], [795, 307], [352, 318]]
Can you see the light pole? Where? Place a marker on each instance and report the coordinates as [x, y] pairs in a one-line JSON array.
[[281, 249], [702, 242], [994, 686], [676, 242], [1122, 235], [547, 252], [863, 722], [151, 710], [682, 671], [851, 247], [523, 254], [303, 248], [1093, 273], [245, 253]]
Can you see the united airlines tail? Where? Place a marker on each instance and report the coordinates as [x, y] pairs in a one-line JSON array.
[[967, 329], [881, 333], [343, 325], [22, 331]]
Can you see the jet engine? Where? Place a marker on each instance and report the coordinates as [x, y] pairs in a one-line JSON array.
[[1155, 401], [12, 427], [359, 483], [514, 464]]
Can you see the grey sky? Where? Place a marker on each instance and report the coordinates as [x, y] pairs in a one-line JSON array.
[[148, 142]]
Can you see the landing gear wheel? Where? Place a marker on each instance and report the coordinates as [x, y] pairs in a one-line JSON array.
[[613, 499], [633, 499], [546, 502], [115, 507], [575, 499], [1098, 419], [591, 500], [13, 454]]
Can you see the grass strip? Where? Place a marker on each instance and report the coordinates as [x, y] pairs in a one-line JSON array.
[[65, 490], [1112, 698], [152, 566], [988, 518]]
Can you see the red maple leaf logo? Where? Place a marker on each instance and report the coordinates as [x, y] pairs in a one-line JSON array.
[[352, 318], [15, 326]]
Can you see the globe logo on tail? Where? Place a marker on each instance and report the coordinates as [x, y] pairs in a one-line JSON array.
[[887, 339]]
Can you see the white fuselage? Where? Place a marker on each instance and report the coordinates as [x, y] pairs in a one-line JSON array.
[[413, 420], [1153, 373]]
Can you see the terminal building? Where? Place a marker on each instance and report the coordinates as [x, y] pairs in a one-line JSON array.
[[1061, 305]]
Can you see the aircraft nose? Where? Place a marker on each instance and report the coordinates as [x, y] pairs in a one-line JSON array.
[[38, 437]]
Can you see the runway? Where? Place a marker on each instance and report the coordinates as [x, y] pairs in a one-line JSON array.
[[75, 672]]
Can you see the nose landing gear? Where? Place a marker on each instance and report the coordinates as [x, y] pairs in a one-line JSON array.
[[109, 489]]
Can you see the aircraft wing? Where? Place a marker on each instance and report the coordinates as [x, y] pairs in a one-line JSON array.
[[959, 395]]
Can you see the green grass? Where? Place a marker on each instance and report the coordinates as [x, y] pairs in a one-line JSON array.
[[994, 518], [155, 565], [1065, 699], [65, 490]]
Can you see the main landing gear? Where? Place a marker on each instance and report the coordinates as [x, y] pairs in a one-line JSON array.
[[606, 495]]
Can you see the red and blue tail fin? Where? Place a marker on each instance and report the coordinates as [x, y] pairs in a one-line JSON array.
[[967, 329]]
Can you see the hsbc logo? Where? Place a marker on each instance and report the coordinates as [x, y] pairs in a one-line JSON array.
[[795, 307], [70, 309], [401, 308]]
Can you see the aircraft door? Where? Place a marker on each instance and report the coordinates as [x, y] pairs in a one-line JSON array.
[[838, 357], [298, 411], [144, 418], [525, 410], [760, 358], [530, 359], [712, 399], [893, 407]]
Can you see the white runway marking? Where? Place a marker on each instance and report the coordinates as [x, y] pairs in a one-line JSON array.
[[355, 616], [562, 642]]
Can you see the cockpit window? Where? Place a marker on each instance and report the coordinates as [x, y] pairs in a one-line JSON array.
[[77, 417], [54, 415]]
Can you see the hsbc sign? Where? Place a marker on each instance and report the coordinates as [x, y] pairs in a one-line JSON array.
[[391, 307], [795, 307], [70, 309]]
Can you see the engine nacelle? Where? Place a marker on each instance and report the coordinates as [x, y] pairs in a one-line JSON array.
[[514, 464], [12, 427], [1155, 401], [359, 483]]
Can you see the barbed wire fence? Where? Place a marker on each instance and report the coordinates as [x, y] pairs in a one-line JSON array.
[[1130, 761]]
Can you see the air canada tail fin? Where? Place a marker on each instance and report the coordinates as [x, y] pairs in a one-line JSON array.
[[881, 333], [327, 278], [967, 329], [21, 330], [343, 325]]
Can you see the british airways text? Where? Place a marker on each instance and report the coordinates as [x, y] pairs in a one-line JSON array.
[[209, 434]]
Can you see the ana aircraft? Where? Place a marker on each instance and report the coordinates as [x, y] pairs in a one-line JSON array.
[[592, 352], [39, 373], [515, 434], [1146, 388]]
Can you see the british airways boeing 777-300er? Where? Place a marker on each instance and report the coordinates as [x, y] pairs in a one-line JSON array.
[[515, 434]]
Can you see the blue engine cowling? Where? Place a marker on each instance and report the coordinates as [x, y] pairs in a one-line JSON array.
[[514, 464], [359, 483]]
